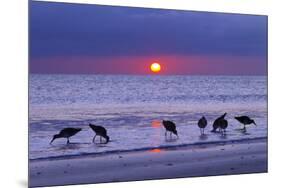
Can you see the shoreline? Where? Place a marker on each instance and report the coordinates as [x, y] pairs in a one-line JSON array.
[[201, 160], [166, 148]]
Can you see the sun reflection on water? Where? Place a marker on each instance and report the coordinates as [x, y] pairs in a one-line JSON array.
[[156, 123], [156, 150]]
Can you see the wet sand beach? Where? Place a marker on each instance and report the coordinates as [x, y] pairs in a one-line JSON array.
[[201, 160]]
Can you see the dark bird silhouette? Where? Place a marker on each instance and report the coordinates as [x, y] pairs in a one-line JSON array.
[[171, 127], [245, 120], [202, 123], [223, 123], [66, 133], [100, 131], [216, 123]]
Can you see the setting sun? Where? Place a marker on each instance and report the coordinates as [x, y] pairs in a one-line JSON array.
[[155, 67]]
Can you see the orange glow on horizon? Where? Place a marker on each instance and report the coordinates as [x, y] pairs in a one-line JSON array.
[[155, 67]]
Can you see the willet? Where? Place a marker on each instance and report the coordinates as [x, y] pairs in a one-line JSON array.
[[245, 120], [202, 123], [171, 127], [66, 133], [100, 131], [223, 125], [216, 124]]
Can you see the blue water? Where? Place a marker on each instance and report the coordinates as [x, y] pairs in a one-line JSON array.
[[132, 108]]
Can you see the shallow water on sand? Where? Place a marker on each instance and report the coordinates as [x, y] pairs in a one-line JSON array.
[[132, 108]]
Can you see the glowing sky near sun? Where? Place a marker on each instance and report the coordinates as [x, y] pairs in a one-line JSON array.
[[73, 38]]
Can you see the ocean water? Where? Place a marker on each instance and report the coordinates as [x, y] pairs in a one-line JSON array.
[[132, 108]]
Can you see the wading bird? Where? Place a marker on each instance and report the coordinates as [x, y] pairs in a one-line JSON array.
[[100, 131], [66, 133], [216, 124], [223, 125], [171, 127], [245, 120], [202, 123]]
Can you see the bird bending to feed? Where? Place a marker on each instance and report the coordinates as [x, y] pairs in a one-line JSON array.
[[66, 133], [245, 120], [171, 127], [216, 124], [100, 131], [202, 123], [223, 125]]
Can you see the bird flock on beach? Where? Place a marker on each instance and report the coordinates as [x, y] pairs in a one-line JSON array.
[[219, 125]]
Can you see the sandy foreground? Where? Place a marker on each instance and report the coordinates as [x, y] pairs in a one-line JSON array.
[[203, 160]]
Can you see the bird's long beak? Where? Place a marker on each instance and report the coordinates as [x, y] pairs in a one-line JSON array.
[[52, 140], [255, 123]]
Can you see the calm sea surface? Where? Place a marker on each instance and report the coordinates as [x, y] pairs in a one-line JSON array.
[[132, 108]]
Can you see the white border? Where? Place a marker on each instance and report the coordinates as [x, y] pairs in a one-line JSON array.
[[13, 100], [233, 6]]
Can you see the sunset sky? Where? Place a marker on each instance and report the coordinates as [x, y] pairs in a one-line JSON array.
[[95, 39]]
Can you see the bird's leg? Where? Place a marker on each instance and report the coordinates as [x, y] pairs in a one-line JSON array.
[[68, 141], [94, 138], [100, 139], [203, 131], [244, 129], [171, 135], [165, 134]]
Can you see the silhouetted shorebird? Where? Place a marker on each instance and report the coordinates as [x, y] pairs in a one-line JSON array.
[[66, 133], [216, 124], [100, 131], [202, 123], [245, 120], [171, 127], [223, 125]]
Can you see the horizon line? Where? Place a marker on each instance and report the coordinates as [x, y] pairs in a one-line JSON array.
[[148, 74]]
